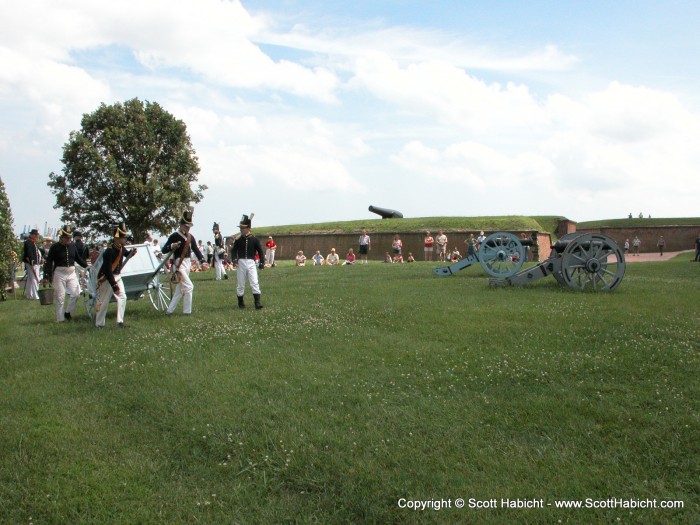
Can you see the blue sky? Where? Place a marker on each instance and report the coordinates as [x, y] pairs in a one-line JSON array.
[[310, 111]]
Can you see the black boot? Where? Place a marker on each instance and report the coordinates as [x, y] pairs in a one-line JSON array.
[[256, 296], [241, 304]]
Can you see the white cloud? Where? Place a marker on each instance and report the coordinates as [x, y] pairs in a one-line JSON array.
[[448, 93], [341, 110]]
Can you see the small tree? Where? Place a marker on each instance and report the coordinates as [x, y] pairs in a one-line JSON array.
[[8, 243], [130, 162]]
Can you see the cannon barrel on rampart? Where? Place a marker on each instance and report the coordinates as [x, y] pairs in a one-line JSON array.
[[386, 213]]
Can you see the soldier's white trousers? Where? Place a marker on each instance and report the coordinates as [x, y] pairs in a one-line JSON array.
[[31, 291], [184, 289], [65, 281], [219, 267], [247, 269], [104, 295]]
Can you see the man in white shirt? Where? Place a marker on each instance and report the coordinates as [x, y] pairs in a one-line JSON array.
[[441, 241], [332, 258]]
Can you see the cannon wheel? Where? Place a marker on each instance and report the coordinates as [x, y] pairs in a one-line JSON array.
[[158, 293], [90, 293], [593, 262], [501, 255]]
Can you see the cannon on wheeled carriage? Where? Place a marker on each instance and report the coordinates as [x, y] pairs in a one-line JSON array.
[[582, 261], [142, 275]]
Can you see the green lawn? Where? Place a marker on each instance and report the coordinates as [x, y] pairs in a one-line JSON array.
[[637, 222], [357, 387]]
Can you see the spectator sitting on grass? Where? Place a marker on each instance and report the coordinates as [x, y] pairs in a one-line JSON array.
[[387, 258], [301, 258], [455, 256], [410, 258], [318, 258], [398, 258], [332, 259], [349, 257]]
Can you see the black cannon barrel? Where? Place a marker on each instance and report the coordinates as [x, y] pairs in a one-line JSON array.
[[386, 213]]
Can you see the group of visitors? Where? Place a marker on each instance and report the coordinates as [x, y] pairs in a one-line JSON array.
[[332, 259]]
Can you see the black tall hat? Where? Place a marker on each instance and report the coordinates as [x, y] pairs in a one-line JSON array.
[[186, 218], [215, 227], [120, 231], [76, 233], [65, 231], [34, 232], [246, 221]]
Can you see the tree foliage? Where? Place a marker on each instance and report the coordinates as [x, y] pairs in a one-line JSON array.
[[8, 242], [130, 162]]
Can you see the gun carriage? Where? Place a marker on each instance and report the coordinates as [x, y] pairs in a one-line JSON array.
[[143, 274], [582, 261]]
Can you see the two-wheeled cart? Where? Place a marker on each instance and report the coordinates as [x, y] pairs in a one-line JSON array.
[[143, 275]]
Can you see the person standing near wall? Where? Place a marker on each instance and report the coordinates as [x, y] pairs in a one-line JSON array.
[[441, 246], [428, 243], [661, 244], [697, 248], [636, 243], [365, 246], [270, 248]]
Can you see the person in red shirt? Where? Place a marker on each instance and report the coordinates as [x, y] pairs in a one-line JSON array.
[[428, 243], [270, 248]]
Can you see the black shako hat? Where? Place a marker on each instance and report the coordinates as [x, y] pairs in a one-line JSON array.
[[120, 231], [186, 218], [215, 227], [65, 231], [246, 221]]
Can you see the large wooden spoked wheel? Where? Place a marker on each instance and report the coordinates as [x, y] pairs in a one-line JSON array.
[[501, 255], [159, 292], [593, 262]]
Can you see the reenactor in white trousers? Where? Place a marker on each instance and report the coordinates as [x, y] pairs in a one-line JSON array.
[[109, 279], [244, 250], [182, 243], [60, 270], [219, 252], [31, 258]]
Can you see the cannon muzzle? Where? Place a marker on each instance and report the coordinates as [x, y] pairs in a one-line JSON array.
[[386, 213]]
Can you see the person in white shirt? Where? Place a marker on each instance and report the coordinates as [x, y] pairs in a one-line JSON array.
[[332, 259], [441, 241], [365, 246]]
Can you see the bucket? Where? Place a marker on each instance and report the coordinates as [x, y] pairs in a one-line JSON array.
[[46, 296]]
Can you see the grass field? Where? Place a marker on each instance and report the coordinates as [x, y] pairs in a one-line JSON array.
[[637, 222], [354, 389]]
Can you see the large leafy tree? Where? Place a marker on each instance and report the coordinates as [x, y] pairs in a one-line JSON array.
[[8, 242], [130, 162]]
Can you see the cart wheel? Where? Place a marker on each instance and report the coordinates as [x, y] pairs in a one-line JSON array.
[[159, 294], [90, 304]]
